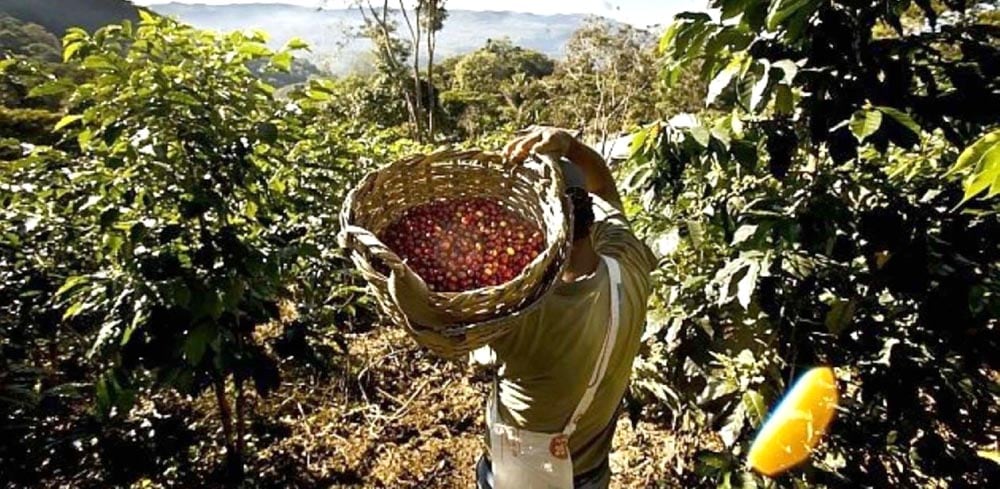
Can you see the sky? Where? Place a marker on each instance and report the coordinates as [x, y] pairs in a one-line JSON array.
[[637, 12]]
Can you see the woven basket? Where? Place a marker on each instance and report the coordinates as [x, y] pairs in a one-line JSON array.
[[451, 324]]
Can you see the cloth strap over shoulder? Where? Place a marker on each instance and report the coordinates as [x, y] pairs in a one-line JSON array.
[[610, 337], [524, 459]]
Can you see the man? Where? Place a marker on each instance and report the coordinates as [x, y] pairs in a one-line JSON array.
[[569, 360]]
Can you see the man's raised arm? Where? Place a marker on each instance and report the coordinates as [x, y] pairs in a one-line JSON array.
[[560, 143]]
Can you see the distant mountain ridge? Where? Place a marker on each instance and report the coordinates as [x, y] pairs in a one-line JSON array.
[[58, 15], [329, 32], [334, 48]]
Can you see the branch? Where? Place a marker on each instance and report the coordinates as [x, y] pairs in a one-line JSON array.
[[413, 35], [383, 25]]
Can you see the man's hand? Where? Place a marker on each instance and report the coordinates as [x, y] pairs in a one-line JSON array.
[[561, 144], [539, 140]]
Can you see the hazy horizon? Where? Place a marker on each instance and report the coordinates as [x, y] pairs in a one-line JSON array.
[[637, 12]]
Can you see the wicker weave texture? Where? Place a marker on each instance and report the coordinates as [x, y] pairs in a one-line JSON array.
[[453, 323]]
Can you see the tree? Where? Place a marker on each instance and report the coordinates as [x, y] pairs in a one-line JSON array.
[[434, 17], [608, 80], [28, 57], [423, 20], [27, 39], [165, 177], [497, 85], [806, 223], [184, 177], [391, 55], [88, 14]]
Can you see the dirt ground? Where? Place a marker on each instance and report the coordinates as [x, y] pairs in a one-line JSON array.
[[402, 418]]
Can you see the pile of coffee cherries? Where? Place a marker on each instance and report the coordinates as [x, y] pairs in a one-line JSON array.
[[463, 244]]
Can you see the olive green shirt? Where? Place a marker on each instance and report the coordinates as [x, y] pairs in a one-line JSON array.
[[547, 359]]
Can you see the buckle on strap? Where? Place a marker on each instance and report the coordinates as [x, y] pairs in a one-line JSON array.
[[559, 446]]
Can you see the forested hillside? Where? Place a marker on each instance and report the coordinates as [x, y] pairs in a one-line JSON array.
[[56, 15], [332, 32], [818, 179]]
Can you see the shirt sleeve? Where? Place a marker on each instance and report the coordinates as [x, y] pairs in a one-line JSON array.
[[613, 236]]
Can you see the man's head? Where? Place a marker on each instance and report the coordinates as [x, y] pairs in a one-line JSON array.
[[583, 205], [583, 212]]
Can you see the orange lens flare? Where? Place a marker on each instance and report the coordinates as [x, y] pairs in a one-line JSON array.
[[796, 426]]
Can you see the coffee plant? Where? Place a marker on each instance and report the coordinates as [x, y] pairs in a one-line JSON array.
[[803, 220], [186, 191]]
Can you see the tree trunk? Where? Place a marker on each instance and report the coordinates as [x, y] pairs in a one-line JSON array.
[[234, 471], [412, 113], [432, 15], [415, 37], [385, 47], [225, 412], [418, 96], [240, 417], [432, 96]]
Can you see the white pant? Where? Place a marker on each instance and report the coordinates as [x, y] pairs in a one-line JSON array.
[[597, 479]]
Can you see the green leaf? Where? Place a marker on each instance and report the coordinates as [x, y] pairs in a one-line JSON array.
[[732, 8], [973, 155], [722, 80], [318, 95], [197, 342], [98, 62], [784, 103], [840, 315], [747, 284], [137, 320], [66, 120], [986, 176], [255, 49], [668, 37], [180, 294], [701, 135], [901, 117], [761, 90], [638, 142], [234, 294], [103, 396], [282, 61], [74, 34], [146, 16], [71, 49], [260, 35], [756, 408], [733, 425], [744, 233], [84, 138], [995, 189], [267, 132], [206, 304], [713, 460], [108, 330], [783, 9], [57, 87], [864, 123], [983, 157], [789, 68], [182, 98], [296, 43], [696, 232], [74, 310], [71, 284]]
